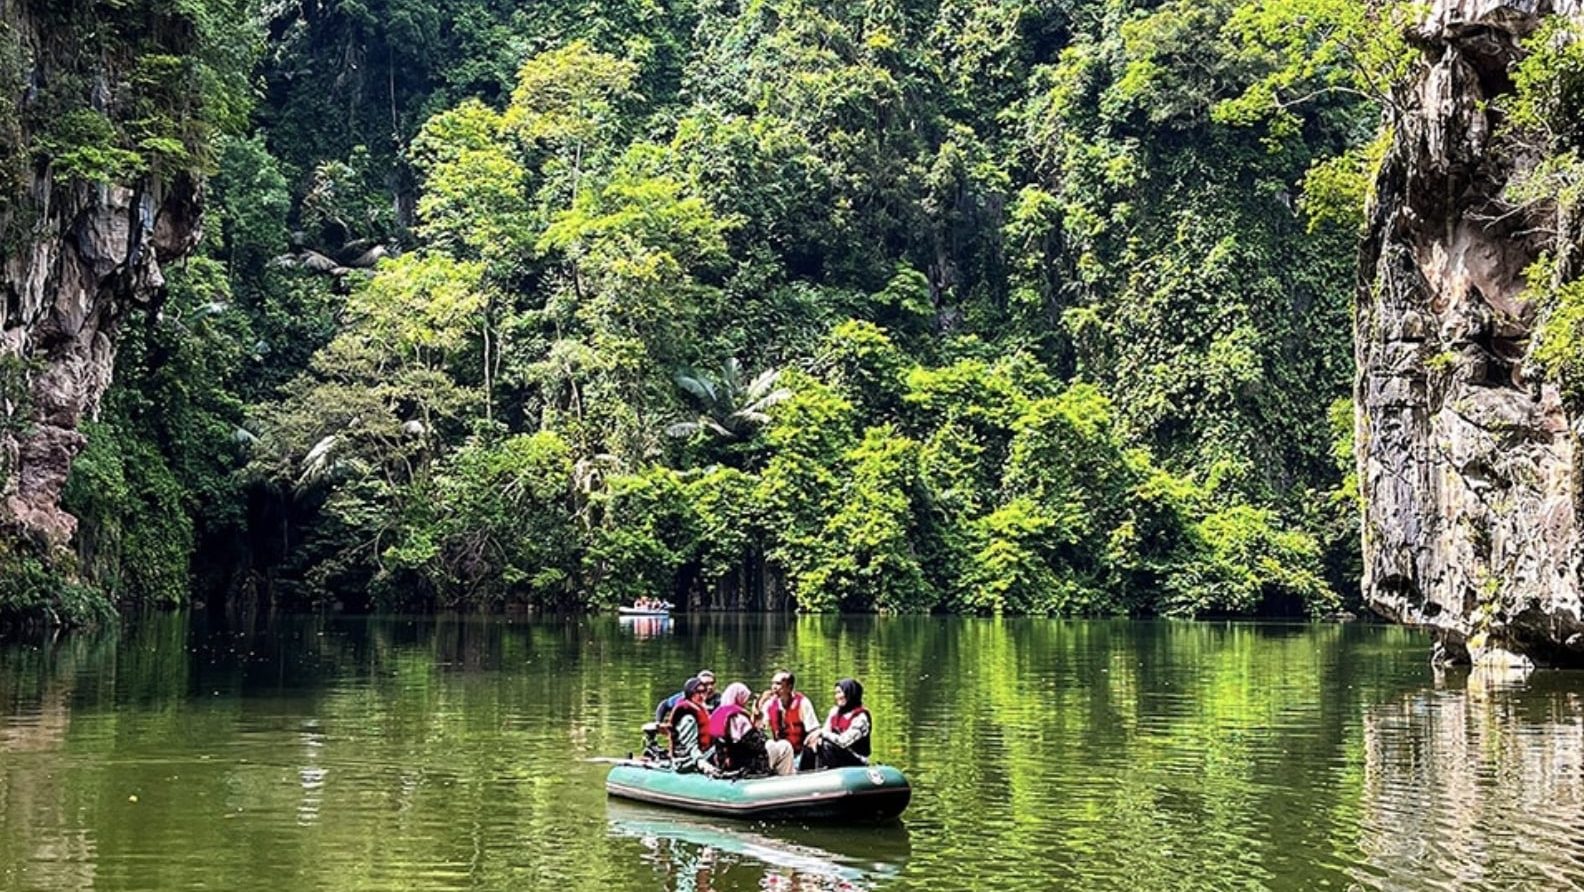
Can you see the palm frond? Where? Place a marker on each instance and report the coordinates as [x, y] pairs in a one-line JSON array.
[[768, 401], [728, 408], [731, 376], [750, 415], [319, 462], [762, 384], [698, 385]]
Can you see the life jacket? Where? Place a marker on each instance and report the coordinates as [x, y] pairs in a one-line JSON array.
[[746, 753], [720, 720], [839, 722], [699, 714], [787, 724]]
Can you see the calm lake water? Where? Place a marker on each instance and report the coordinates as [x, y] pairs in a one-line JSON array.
[[352, 753]]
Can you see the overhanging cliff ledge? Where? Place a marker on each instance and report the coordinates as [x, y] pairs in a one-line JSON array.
[[1468, 453]]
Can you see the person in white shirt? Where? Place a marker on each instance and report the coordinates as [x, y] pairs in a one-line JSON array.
[[788, 715]]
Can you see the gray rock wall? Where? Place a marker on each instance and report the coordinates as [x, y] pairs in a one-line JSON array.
[[76, 257], [1468, 461]]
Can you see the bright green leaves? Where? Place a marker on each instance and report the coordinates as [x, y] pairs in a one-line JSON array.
[[648, 530], [423, 306], [1245, 559], [1015, 495], [865, 557], [85, 145], [1304, 50], [1541, 125], [640, 229], [1561, 343], [143, 86], [1542, 122], [865, 366], [1337, 190], [659, 525], [1548, 85], [493, 180], [1177, 63], [634, 247], [475, 197], [377, 399], [1033, 232], [569, 99], [1009, 570], [1308, 55]]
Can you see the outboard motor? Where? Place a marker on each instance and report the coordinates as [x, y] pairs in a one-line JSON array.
[[654, 749]]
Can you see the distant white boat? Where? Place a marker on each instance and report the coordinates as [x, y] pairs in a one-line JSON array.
[[644, 611]]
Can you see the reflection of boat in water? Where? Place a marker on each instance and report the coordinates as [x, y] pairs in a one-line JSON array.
[[647, 626], [815, 857], [870, 793]]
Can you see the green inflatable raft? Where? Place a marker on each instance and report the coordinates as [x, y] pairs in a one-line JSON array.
[[870, 793]]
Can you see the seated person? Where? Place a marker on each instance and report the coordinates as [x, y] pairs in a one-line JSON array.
[[844, 740], [788, 714], [739, 745], [690, 730], [705, 677]]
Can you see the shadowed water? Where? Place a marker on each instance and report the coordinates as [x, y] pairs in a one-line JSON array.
[[348, 753]]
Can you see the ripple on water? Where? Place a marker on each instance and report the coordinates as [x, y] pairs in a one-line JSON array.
[[441, 755], [1462, 794]]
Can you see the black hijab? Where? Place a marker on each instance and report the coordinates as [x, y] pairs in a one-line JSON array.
[[853, 691]]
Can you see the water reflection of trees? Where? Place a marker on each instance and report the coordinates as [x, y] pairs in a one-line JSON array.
[[60, 699], [1121, 755], [1475, 784], [333, 752]]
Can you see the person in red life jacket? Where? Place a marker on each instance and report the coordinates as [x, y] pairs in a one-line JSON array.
[[690, 730], [844, 740], [706, 678], [789, 715], [739, 744]]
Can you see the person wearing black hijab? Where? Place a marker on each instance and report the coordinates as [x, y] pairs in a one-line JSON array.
[[844, 740]]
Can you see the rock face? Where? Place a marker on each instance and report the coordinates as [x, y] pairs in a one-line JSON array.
[[1469, 465], [76, 256]]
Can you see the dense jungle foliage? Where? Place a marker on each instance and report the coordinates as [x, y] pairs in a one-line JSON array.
[[1026, 306]]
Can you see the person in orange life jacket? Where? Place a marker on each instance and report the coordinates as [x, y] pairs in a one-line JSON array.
[[789, 715], [690, 730], [739, 744], [844, 740], [707, 679]]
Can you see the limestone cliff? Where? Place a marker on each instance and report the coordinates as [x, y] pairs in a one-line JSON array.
[[78, 253], [1468, 460]]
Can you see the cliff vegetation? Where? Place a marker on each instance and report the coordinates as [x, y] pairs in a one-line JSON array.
[[1041, 306]]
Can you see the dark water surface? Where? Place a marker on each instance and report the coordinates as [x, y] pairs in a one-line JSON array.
[[349, 753]]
